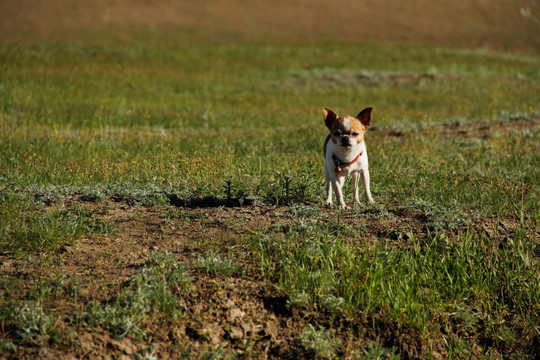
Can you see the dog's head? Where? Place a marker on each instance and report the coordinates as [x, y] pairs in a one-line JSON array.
[[347, 131]]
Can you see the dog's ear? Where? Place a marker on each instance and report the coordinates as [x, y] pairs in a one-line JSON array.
[[329, 116], [365, 116]]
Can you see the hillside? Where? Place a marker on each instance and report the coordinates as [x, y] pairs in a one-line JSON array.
[[501, 25]]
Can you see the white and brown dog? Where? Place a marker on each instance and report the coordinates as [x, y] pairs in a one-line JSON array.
[[345, 154]]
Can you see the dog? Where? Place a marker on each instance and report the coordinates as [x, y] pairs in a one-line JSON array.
[[345, 154]]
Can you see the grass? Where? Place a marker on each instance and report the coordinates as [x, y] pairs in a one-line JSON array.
[[465, 282], [453, 142], [212, 263], [36, 229], [166, 117]]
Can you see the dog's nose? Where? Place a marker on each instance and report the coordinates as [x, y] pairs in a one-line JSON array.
[[345, 140]]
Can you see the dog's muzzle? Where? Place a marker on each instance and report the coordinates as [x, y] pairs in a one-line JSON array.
[[345, 141]]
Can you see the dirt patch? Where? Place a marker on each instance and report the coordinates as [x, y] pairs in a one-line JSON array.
[[241, 314], [487, 129], [459, 129], [511, 25]]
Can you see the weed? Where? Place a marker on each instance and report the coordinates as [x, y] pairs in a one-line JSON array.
[[36, 229], [235, 192], [440, 217], [7, 346], [333, 303], [303, 211], [56, 288], [459, 348], [214, 264], [299, 300], [375, 351], [150, 290], [31, 324], [320, 341], [217, 354], [147, 354]]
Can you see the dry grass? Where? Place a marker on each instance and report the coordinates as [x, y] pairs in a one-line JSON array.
[[504, 25]]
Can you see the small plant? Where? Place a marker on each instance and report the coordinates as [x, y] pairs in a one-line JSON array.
[[217, 354], [298, 300], [216, 265], [147, 354], [235, 192], [57, 287], [320, 341], [7, 346], [303, 211], [376, 351], [183, 215], [332, 303], [37, 229], [32, 325], [150, 290]]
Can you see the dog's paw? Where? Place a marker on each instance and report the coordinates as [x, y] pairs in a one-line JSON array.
[[328, 204], [343, 207]]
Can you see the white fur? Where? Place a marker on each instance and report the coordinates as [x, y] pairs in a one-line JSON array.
[[347, 123], [358, 170]]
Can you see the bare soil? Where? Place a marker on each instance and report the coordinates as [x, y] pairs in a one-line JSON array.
[[503, 25], [242, 314]]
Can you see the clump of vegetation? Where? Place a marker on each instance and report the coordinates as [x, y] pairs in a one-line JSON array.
[[151, 290], [320, 341], [31, 325], [414, 287], [375, 351], [34, 228], [214, 264]]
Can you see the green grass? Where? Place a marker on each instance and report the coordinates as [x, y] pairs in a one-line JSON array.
[[194, 119], [464, 282], [25, 226], [454, 139]]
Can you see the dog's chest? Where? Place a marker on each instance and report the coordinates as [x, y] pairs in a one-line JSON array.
[[342, 163], [346, 171]]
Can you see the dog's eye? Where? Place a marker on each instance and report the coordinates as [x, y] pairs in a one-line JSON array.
[[355, 134], [337, 133]]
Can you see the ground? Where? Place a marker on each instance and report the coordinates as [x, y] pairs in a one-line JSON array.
[[188, 277], [503, 25], [238, 313]]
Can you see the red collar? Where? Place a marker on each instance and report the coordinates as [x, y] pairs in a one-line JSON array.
[[339, 165]]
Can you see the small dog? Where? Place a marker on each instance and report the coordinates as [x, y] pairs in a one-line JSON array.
[[345, 154]]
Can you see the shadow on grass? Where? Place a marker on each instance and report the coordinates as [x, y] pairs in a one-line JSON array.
[[207, 201]]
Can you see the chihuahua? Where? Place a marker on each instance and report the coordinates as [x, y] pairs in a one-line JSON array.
[[345, 154]]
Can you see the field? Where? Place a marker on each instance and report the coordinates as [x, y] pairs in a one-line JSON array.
[[164, 199]]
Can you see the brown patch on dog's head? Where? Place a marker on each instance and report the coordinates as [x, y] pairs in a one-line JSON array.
[[347, 131]]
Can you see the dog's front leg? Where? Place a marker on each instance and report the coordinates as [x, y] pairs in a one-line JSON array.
[[337, 185], [355, 178], [364, 174], [328, 201]]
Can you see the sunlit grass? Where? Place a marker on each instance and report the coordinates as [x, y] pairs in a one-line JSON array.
[[454, 138]]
